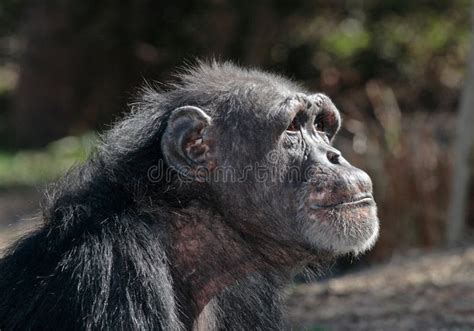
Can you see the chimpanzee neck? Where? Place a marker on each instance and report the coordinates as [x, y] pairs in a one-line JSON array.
[[211, 256]]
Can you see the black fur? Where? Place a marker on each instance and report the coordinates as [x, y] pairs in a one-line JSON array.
[[102, 258]]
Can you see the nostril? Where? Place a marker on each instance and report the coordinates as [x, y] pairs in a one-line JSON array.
[[333, 157]]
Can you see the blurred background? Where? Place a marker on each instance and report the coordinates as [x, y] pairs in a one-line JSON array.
[[400, 71]]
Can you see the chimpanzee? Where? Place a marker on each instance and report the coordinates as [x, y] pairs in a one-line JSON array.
[[193, 213]]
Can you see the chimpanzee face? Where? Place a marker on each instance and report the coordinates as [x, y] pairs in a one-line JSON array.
[[335, 209], [268, 160]]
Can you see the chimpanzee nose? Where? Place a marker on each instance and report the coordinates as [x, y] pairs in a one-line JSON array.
[[334, 156]]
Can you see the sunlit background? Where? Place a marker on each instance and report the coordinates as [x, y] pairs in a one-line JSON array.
[[396, 69]]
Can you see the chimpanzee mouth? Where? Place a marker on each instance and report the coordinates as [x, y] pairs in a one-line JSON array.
[[357, 201]]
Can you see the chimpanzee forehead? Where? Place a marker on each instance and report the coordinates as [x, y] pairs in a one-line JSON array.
[[235, 94]]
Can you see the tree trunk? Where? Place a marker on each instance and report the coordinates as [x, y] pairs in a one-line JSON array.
[[463, 149], [74, 71]]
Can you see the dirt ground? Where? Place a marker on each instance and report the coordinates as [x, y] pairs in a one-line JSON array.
[[432, 291]]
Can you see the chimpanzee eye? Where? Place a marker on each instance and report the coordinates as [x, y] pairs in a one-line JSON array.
[[294, 125], [320, 127], [319, 124]]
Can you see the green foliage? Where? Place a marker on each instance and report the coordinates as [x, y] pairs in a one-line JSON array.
[[348, 39], [403, 33], [32, 167]]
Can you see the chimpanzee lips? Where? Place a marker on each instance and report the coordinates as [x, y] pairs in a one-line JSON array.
[[359, 200]]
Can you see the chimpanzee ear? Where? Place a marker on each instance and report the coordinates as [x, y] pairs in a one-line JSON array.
[[185, 143]]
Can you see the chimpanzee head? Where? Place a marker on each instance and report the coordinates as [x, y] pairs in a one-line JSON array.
[[259, 147]]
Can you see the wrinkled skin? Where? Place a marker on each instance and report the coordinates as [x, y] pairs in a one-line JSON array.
[[194, 213], [288, 189], [311, 196]]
